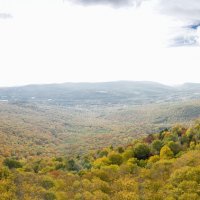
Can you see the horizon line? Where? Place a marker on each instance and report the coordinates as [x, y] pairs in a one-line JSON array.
[[95, 82]]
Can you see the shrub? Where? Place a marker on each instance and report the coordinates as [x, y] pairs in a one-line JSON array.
[[11, 163], [115, 158], [141, 151]]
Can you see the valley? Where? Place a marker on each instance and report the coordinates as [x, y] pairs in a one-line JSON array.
[[78, 119]]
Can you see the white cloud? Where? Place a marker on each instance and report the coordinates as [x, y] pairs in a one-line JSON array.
[[115, 3], [187, 14], [5, 16], [188, 10]]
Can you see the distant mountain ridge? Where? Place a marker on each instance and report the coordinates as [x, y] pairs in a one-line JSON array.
[[118, 92]]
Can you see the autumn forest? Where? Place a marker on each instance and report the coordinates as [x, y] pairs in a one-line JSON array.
[[76, 147]]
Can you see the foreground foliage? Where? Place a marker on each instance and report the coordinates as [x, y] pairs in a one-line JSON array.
[[160, 166]]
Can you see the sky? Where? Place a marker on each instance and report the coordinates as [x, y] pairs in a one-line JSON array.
[[55, 41]]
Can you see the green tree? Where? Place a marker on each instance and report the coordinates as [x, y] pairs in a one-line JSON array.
[[71, 165], [11, 163], [47, 183], [49, 196], [156, 146], [4, 173], [175, 147], [141, 151], [115, 158], [166, 152]]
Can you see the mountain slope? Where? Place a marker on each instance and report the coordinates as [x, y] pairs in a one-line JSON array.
[[50, 119], [85, 93], [165, 165]]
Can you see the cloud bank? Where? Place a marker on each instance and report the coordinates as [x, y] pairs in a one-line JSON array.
[[188, 13], [188, 10], [186, 37], [5, 16], [115, 3], [185, 11]]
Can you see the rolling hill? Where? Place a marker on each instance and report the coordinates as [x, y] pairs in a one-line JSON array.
[[121, 92], [50, 119]]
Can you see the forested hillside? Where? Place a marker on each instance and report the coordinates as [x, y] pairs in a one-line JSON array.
[[34, 129], [123, 145], [48, 120], [164, 165]]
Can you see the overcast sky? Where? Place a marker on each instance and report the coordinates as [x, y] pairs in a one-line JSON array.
[[45, 41]]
